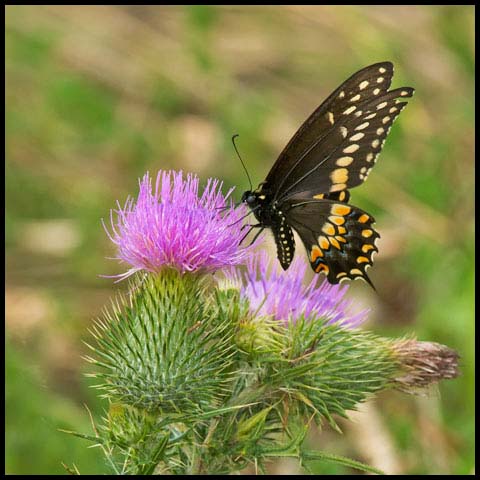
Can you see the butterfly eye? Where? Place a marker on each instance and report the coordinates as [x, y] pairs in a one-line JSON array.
[[249, 198]]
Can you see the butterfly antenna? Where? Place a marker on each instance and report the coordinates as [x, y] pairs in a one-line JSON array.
[[238, 154]]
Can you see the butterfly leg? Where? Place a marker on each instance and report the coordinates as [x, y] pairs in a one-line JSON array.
[[250, 229], [257, 234]]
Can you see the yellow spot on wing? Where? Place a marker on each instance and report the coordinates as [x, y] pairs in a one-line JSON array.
[[334, 243], [323, 242], [367, 247], [355, 271], [340, 175], [344, 161], [367, 233], [351, 148], [322, 268], [336, 220], [363, 126], [337, 187], [342, 230], [328, 228], [316, 252], [342, 210], [362, 260], [340, 239], [319, 196], [357, 136], [364, 218]]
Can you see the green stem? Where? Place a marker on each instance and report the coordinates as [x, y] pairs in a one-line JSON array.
[[348, 462]]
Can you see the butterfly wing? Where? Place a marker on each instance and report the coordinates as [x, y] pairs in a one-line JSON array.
[[340, 196], [338, 144], [339, 238]]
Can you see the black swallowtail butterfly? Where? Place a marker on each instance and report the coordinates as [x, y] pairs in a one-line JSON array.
[[307, 187]]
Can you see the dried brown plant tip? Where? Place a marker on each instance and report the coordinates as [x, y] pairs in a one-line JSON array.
[[424, 363]]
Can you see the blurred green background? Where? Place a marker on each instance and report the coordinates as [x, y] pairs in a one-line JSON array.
[[96, 96]]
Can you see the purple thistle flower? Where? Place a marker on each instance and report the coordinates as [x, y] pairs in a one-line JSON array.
[[174, 226], [283, 295]]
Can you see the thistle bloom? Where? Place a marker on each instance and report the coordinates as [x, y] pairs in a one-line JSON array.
[[175, 226], [283, 295]]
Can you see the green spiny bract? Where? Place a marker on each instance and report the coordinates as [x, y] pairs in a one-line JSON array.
[[169, 348]]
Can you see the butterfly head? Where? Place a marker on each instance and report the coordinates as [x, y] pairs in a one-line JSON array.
[[249, 198]]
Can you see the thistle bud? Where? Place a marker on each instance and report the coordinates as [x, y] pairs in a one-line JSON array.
[[424, 363]]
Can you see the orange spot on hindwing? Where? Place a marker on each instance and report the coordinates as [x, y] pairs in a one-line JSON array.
[[341, 210], [334, 243], [323, 242], [362, 260], [322, 267], [315, 253], [328, 229]]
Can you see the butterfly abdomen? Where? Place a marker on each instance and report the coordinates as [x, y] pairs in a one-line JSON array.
[[284, 240], [269, 216]]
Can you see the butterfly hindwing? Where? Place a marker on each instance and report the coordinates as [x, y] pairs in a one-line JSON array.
[[339, 238]]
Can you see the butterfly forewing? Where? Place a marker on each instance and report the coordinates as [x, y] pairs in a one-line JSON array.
[[339, 238], [364, 84], [340, 196], [344, 156]]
